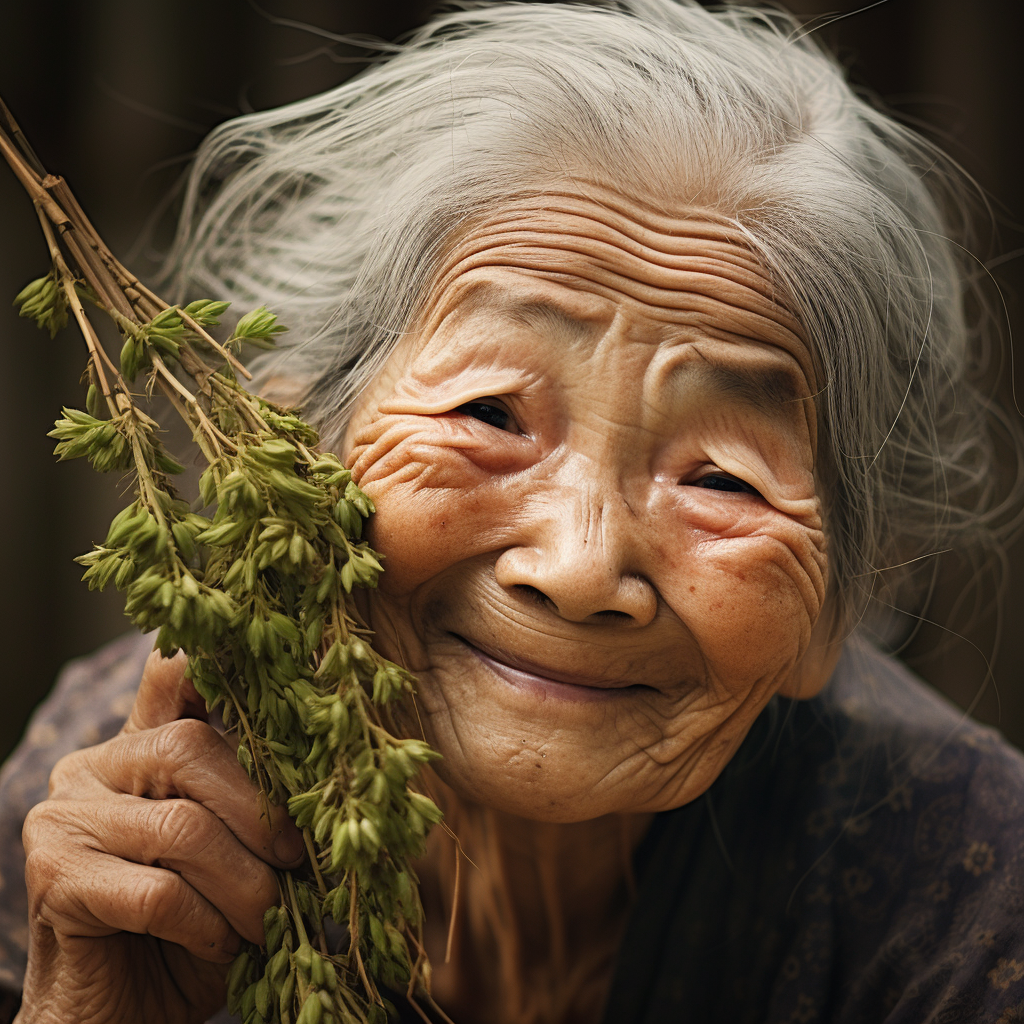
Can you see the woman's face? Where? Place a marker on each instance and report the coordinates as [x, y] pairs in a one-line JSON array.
[[594, 465]]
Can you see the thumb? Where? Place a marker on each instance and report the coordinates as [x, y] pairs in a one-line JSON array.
[[165, 694]]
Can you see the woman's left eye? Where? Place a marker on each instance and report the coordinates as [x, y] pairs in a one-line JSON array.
[[723, 482], [490, 413]]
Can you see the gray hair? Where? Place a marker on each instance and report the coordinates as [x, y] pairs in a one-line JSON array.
[[338, 211]]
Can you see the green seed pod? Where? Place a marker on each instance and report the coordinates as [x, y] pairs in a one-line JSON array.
[[263, 997], [340, 845], [304, 958], [234, 573], [238, 979], [248, 1002], [316, 970], [312, 1011], [125, 574], [355, 836], [330, 975], [371, 837], [278, 967], [94, 400], [254, 637], [312, 633], [208, 486], [425, 807], [287, 995], [274, 921], [348, 576], [183, 539], [223, 533], [377, 935], [205, 312], [358, 499], [339, 904], [325, 824]]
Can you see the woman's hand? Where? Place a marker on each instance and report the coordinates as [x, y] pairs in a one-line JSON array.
[[147, 865]]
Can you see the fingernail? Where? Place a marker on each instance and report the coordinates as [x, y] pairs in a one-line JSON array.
[[289, 847]]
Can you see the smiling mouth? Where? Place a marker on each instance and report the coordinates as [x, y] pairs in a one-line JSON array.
[[544, 683]]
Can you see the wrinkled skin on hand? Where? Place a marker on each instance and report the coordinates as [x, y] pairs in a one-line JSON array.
[[595, 468], [146, 866]]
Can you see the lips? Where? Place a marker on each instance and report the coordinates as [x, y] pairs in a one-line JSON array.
[[546, 682]]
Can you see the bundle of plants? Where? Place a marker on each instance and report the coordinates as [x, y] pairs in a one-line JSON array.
[[253, 579]]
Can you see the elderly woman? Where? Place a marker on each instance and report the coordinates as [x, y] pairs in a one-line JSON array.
[[648, 339]]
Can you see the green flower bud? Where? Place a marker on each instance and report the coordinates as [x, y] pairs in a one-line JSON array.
[[258, 326], [206, 312]]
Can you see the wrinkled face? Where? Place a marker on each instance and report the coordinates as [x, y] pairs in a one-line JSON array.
[[594, 468]]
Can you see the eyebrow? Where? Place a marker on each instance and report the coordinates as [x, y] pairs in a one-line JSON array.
[[763, 388], [544, 317]]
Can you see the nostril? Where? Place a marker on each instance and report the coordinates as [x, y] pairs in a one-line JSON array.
[[613, 615], [537, 596], [524, 590]]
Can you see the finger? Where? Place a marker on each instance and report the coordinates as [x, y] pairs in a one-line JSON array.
[[189, 760], [87, 893], [177, 835], [165, 694]]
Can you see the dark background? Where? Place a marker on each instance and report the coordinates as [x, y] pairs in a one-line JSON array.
[[115, 94]]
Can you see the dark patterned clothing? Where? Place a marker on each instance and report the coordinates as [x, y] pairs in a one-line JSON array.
[[860, 860]]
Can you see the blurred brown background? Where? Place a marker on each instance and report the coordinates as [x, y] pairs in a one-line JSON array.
[[115, 94]]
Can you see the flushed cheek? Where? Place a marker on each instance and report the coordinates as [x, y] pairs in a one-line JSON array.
[[749, 602], [437, 504]]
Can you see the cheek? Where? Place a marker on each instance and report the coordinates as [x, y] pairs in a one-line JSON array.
[[749, 593], [438, 499]]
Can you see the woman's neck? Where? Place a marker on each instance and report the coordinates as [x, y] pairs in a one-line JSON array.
[[530, 914]]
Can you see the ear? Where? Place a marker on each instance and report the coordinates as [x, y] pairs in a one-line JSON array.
[[814, 669]]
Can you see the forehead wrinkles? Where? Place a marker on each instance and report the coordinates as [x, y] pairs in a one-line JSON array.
[[695, 269]]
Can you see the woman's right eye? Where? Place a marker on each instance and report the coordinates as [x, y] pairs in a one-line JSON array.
[[491, 413]]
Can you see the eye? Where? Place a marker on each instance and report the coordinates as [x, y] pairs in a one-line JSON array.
[[491, 413], [724, 482]]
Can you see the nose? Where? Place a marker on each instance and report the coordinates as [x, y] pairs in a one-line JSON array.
[[580, 552]]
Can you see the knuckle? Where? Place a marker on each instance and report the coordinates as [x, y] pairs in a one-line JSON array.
[[66, 772], [158, 899], [182, 741], [184, 828], [40, 824], [42, 870]]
